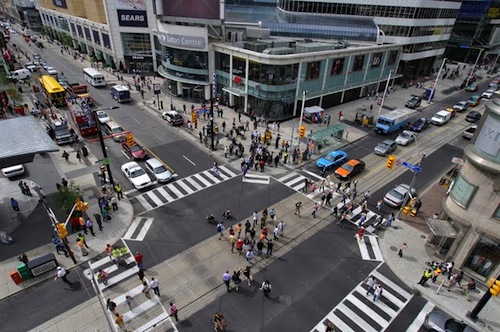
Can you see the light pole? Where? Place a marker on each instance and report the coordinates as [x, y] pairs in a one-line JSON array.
[[301, 116], [170, 92], [494, 64], [437, 79], [89, 274], [474, 67], [103, 146], [385, 92], [412, 184]]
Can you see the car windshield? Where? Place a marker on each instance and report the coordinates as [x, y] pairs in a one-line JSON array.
[[160, 169], [396, 194], [102, 115], [452, 325], [118, 130], [135, 148], [439, 116], [347, 167], [383, 145], [137, 172], [405, 135], [329, 157]]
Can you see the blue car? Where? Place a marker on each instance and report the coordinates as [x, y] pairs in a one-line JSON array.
[[331, 159], [420, 124]]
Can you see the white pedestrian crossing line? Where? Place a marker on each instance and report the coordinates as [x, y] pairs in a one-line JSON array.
[[419, 320], [146, 224], [381, 313], [372, 242], [173, 191], [256, 178]]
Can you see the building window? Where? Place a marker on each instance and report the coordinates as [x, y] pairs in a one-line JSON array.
[[485, 256], [377, 57], [393, 56], [97, 39], [337, 67], [73, 29], [358, 62], [313, 70], [462, 192], [136, 44], [105, 40], [80, 30], [87, 34]]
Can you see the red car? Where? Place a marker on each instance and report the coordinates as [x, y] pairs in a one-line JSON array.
[[135, 151]]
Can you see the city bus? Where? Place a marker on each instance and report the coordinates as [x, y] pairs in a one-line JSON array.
[[55, 93], [94, 77]]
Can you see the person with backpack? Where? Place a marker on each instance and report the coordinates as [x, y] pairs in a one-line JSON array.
[[266, 288], [236, 279], [220, 229]]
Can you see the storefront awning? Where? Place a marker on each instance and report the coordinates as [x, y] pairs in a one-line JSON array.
[[234, 91], [441, 228]]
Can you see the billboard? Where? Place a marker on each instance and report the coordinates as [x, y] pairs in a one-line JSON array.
[[132, 13], [203, 9]]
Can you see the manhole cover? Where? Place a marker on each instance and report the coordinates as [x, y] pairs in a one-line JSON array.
[[285, 299], [393, 248], [395, 227], [423, 236]]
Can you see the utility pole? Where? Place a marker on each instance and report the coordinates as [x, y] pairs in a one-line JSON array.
[[103, 146], [412, 184], [437, 79], [385, 92], [480, 305], [301, 116]]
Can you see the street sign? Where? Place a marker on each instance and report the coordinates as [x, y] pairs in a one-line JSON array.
[[156, 89], [456, 160], [414, 168], [105, 161]]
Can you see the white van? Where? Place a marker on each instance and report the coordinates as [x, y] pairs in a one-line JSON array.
[[441, 117], [113, 128], [20, 74]]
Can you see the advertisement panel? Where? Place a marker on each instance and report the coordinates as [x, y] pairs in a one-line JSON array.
[[131, 13], [202, 9]]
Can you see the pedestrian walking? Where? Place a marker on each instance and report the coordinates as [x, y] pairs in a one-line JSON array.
[[390, 219], [377, 292], [21, 186], [114, 203], [276, 233], [81, 245], [379, 204], [138, 259], [236, 280], [145, 289], [155, 286], [103, 277], [367, 195], [62, 274], [281, 226], [232, 242], [359, 235], [226, 278], [329, 325], [78, 156], [27, 189], [435, 274], [249, 255], [129, 300], [111, 306], [120, 321], [471, 285], [59, 245], [248, 275], [220, 229], [82, 238], [65, 155], [270, 246], [172, 311], [266, 288], [370, 282], [90, 226], [402, 249], [15, 205], [315, 209], [298, 206]]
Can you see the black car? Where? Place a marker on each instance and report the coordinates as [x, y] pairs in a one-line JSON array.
[[414, 102], [473, 116], [420, 124]]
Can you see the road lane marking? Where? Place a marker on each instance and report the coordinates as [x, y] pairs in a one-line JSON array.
[[183, 156]]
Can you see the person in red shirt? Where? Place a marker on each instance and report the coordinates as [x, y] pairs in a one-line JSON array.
[[138, 258], [239, 245], [360, 234]]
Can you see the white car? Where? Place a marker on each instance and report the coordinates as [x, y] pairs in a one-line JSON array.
[[12, 171], [102, 117], [136, 175], [397, 196], [406, 137], [158, 170], [488, 93], [461, 106]]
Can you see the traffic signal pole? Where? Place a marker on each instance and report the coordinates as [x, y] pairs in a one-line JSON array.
[[480, 305], [412, 184], [63, 238]]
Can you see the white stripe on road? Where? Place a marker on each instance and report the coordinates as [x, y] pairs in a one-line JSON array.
[[391, 284], [165, 194], [314, 175], [355, 318], [286, 177], [132, 228], [367, 310], [144, 203], [144, 230], [202, 180], [209, 175], [194, 183], [185, 187], [176, 191], [154, 198], [384, 307], [419, 320], [189, 160], [227, 171], [362, 248], [376, 248]]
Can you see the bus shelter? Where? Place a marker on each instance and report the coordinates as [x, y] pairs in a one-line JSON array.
[[324, 137]]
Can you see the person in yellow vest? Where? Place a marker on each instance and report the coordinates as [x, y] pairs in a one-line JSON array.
[[426, 276], [119, 191], [80, 244], [437, 272]]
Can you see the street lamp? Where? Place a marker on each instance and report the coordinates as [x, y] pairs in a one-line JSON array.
[[89, 275], [103, 146], [412, 184], [475, 64], [170, 92], [437, 79], [385, 92]]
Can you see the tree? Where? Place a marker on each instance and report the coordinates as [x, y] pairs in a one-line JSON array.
[[66, 197]]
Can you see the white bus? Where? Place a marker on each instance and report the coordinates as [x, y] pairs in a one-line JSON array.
[[94, 77]]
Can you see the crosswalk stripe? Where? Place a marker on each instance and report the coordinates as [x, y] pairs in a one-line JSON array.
[[256, 178], [376, 249], [419, 320], [185, 187], [338, 323], [154, 198], [227, 171], [99, 263], [144, 306], [392, 285], [363, 249], [174, 190], [355, 318], [154, 322], [367, 310], [202, 180], [313, 175], [144, 229], [194, 183], [132, 228], [165, 194], [286, 177], [123, 297], [212, 177], [116, 279], [144, 202], [381, 305]]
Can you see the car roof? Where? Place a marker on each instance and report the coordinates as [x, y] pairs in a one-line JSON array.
[[131, 165], [388, 141], [354, 162], [153, 162]]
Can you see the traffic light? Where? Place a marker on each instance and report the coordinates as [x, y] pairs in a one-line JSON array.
[[302, 131], [79, 205], [494, 286], [412, 201], [391, 161], [413, 212], [406, 209], [194, 117], [61, 230], [130, 139]]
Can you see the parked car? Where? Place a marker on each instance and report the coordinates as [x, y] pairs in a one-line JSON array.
[[452, 111], [472, 87], [396, 196], [420, 124], [414, 102], [474, 100], [473, 116], [469, 132], [158, 170], [13, 171], [349, 169], [440, 118], [386, 147], [461, 106], [172, 117], [331, 159], [135, 151], [488, 93], [406, 137], [102, 117], [439, 321], [136, 175]]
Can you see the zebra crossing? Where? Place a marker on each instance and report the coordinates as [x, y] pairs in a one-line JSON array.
[[138, 229], [369, 248], [357, 311], [178, 189], [145, 313]]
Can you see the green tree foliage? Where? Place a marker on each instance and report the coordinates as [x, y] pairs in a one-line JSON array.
[[66, 197]]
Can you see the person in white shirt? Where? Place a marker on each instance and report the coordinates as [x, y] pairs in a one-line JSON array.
[[61, 273], [155, 286]]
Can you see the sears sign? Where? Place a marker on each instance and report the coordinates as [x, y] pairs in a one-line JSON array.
[[132, 18]]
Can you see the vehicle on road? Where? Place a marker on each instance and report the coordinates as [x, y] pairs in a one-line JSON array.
[[331, 159], [439, 321], [461, 106], [53, 90], [135, 151], [472, 87], [59, 131], [469, 132], [136, 175], [414, 102], [474, 100], [31, 67], [120, 93], [94, 77], [395, 197], [488, 93], [386, 147], [452, 111], [441, 117], [392, 121], [158, 170], [406, 137], [13, 171], [473, 116], [173, 117], [20, 74], [102, 117], [349, 169], [82, 117], [420, 124], [113, 128]]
